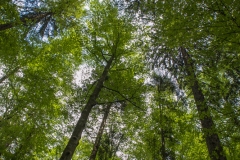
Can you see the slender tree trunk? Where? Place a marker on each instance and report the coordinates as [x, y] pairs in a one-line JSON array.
[[214, 145], [163, 148], [116, 149], [100, 132], [162, 131], [77, 133], [24, 20]]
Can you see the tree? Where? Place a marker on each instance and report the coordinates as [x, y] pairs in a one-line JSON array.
[[31, 97], [173, 64], [25, 19], [99, 134], [214, 145], [76, 135], [107, 39], [199, 27], [43, 17]]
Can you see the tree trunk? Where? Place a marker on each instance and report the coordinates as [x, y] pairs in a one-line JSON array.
[[162, 132], [160, 88], [163, 148], [99, 135], [214, 145], [77, 133], [24, 20], [117, 147]]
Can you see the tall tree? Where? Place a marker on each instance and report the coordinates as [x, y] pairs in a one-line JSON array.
[[200, 27], [42, 18], [212, 139], [108, 38], [23, 20], [34, 106], [191, 48], [76, 135], [100, 132]]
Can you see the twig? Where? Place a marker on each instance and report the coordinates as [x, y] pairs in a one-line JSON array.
[[124, 97]]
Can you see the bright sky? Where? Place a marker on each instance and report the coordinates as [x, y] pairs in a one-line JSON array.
[[83, 73]]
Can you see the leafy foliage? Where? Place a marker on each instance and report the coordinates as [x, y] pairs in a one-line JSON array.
[[43, 44]]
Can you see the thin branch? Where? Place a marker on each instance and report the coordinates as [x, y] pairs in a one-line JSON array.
[[124, 97], [121, 69], [118, 101], [91, 52], [103, 55], [9, 74]]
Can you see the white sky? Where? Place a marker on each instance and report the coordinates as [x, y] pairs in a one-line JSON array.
[[83, 73]]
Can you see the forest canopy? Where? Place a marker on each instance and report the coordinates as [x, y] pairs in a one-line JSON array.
[[119, 79]]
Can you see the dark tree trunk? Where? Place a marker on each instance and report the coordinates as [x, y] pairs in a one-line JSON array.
[[214, 145], [77, 133], [6, 26], [163, 148], [24, 20], [162, 132], [117, 147], [99, 135], [160, 88]]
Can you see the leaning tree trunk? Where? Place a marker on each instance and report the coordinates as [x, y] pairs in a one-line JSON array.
[[214, 145], [24, 20], [100, 132], [77, 133]]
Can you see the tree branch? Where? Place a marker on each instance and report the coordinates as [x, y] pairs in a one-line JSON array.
[[124, 97], [9, 74]]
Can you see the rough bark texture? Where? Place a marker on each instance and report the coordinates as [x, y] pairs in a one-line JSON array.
[[77, 133], [99, 135], [214, 146], [25, 20]]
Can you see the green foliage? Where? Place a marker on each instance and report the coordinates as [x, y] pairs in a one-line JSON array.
[[39, 102], [38, 79]]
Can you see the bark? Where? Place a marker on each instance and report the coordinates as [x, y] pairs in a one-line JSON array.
[[162, 132], [160, 88], [163, 148], [116, 149], [99, 135], [214, 145], [77, 133], [24, 20]]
